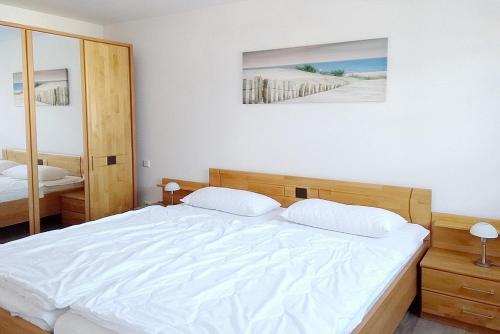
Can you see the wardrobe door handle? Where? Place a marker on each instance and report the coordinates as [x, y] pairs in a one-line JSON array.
[[487, 316], [488, 292]]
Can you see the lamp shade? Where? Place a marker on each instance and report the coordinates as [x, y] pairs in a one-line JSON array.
[[172, 186], [484, 230]]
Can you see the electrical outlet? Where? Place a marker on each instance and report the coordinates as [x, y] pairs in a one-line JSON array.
[[146, 163]]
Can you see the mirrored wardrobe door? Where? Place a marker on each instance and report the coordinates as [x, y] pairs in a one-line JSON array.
[[15, 172], [59, 130]]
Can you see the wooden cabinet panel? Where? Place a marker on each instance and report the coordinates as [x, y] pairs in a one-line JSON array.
[[109, 124]]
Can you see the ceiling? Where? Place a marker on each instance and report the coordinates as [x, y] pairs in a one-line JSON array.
[[112, 11]]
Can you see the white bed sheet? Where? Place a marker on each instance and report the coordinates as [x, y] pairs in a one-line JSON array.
[[19, 305], [68, 182], [41, 275], [114, 310], [12, 189]]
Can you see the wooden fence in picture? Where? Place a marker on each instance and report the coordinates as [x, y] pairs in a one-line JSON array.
[[57, 96], [259, 90]]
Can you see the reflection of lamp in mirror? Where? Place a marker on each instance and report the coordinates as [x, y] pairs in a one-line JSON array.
[[484, 231], [171, 187]]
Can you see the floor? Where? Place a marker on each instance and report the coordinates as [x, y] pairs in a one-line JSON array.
[[19, 231], [411, 324]]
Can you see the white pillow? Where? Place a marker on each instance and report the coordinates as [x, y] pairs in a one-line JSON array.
[[352, 219], [238, 202], [17, 172], [45, 173], [6, 164]]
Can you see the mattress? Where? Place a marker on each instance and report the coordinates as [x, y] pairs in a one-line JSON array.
[[40, 276], [12, 189], [271, 277]]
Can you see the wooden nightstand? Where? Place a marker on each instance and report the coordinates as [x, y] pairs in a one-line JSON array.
[[73, 207], [453, 287], [187, 187]]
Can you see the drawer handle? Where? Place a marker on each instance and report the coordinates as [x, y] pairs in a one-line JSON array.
[[489, 292], [487, 316]]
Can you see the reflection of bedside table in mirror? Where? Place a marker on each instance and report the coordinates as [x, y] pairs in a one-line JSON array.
[[73, 208], [186, 187]]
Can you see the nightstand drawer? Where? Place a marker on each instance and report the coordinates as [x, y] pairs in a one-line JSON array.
[[462, 310], [72, 218], [72, 204], [461, 286]]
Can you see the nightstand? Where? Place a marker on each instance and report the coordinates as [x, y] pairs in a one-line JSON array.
[[187, 187], [73, 207], [454, 289]]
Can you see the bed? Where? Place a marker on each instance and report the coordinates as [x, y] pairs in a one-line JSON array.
[[390, 299], [14, 202]]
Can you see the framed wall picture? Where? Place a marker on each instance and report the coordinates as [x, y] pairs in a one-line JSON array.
[[337, 72]]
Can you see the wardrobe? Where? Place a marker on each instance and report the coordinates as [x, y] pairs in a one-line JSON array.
[[66, 107]]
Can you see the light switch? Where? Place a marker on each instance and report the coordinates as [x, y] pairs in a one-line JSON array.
[[146, 163]]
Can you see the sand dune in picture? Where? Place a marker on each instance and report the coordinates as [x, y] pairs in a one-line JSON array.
[[289, 85]]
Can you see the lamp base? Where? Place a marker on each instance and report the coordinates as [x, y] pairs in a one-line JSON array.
[[480, 263]]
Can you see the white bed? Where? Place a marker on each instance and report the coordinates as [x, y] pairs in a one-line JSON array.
[[12, 189], [136, 305], [42, 276]]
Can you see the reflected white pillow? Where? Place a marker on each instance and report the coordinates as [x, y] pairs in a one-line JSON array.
[[353, 219], [45, 173], [6, 164], [235, 201]]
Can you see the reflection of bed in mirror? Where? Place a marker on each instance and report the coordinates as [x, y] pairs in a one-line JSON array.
[[14, 206]]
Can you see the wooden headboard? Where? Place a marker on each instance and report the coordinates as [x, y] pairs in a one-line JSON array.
[[72, 163], [412, 203]]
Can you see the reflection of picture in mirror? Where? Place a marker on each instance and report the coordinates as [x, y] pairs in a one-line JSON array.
[[18, 89], [51, 88]]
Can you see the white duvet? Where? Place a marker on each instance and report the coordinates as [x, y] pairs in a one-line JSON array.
[[12, 189], [186, 270]]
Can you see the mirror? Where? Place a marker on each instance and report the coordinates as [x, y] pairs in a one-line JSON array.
[[59, 130], [14, 185]]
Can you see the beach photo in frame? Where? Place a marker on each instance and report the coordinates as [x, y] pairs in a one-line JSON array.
[[353, 71], [51, 88]]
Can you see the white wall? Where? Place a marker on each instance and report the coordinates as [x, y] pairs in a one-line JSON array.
[[12, 122], [439, 127], [59, 128], [47, 21]]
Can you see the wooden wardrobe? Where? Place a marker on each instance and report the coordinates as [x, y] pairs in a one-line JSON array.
[[108, 130]]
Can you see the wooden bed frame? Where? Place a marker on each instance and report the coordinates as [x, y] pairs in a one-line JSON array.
[[17, 211], [412, 203]]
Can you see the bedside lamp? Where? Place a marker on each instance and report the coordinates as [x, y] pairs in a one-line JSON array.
[[484, 231], [172, 186]]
